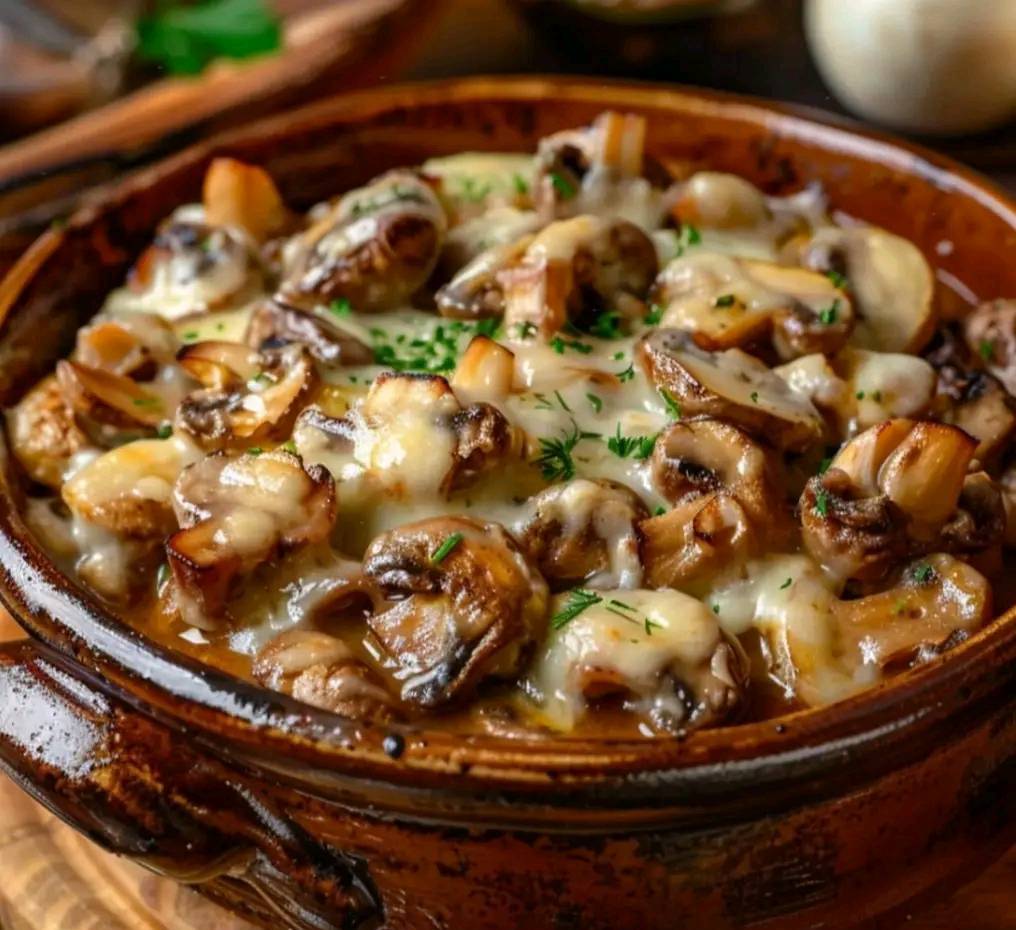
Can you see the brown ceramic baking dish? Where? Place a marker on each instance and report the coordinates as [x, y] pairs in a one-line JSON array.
[[830, 817]]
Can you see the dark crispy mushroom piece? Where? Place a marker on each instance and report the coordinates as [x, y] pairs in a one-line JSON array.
[[375, 247], [248, 396], [584, 532], [466, 605], [273, 325], [730, 385], [322, 671], [990, 333], [237, 514], [44, 434]]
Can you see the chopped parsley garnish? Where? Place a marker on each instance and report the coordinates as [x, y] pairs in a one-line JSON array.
[[520, 184], [255, 450], [786, 584], [923, 573], [688, 236], [341, 306], [877, 397], [673, 405], [164, 431], [560, 400], [525, 330], [473, 191], [986, 349], [191, 335], [754, 397], [559, 345], [445, 549], [555, 459], [627, 374], [859, 395], [562, 185], [289, 446], [436, 352], [659, 511], [149, 401], [716, 608], [607, 325], [486, 327], [594, 402], [839, 280], [618, 356], [724, 300], [650, 625], [639, 447], [542, 403], [823, 466], [654, 315], [578, 601], [822, 502], [265, 377], [827, 316]]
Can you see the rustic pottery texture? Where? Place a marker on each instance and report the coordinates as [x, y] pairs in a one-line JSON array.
[[293, 816]]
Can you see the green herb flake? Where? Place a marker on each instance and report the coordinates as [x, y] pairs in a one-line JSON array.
[[559, 345], [839, 280], [149, 401], [650, 625], [673, 405], [607, 325], [923, 573], [827, 316], [191, 335], [823, 466], [472, 190], [877, 397], [716, 608], [822, 503], [986, 349], [255, 451], [446, 548], [341, 307], [786, 584], [655, 314], [639, 447], [595, 402], [289, 447], [555, 459], [578, 601], [520, 184], [561, 401], [627, 374], [563, 186], [164, 431], [754, 397], [859, 395], [525, 330], [659, 511], [725, 300]]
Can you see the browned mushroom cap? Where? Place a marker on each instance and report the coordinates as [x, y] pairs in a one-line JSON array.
[[889, 280], [376, 247], [237, 514], [937, 603], [584, 532], [574, 269], [192, 267], [731, 385], [990, 333], [466, 605], [476, 291], [245, 196], [717, 200], [249, 396], [608, 150], [272, 325], [44, 435], [322, 671], [891, 492], [725, 302], [111, 409], [135, 345], [660, 654], [971, 399]]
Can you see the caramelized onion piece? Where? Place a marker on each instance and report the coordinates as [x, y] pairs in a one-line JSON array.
[[272, 325], [375, 247], [585, 532], [249, 396], [43, 433], [244, 196], [466, 605], [660, 654], [731, 385], [320, 670], [237, 514]]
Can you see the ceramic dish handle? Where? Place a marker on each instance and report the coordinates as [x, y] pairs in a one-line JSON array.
[[142, 790]]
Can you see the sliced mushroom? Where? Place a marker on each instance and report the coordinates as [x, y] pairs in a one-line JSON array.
[[249, 396], [192, 267], [889, 280], [597, 169], [575, 269], [492, 229], [476, 291], [717, 200], [660, 654], [135, 345], [725, 302], [375, 247], [485, 372], [272, 325], [890, 493], [990, 334], [973, 400], [466, 605], [44, 434], [584, 532], [237, 514], [731, 385], [243, 196], [322, 671]]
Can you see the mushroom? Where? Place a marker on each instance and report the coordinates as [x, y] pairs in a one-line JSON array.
[[322, 671], [584, 532], [272, 325], [465, 605], [43, 433], [375, 247], [485, 372], [597, 169], [990, 333], [193, 266], [726, 302], [718, 200], [493, 228], [973, 400], [248, 396], [889, 280], [660, 654], [731, 385], [575, 269], [239, 513], [243, 196], [890, 493], [134, 345], [476, 291]]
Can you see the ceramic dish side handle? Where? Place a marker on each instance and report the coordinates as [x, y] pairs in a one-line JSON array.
[[142, 790]]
